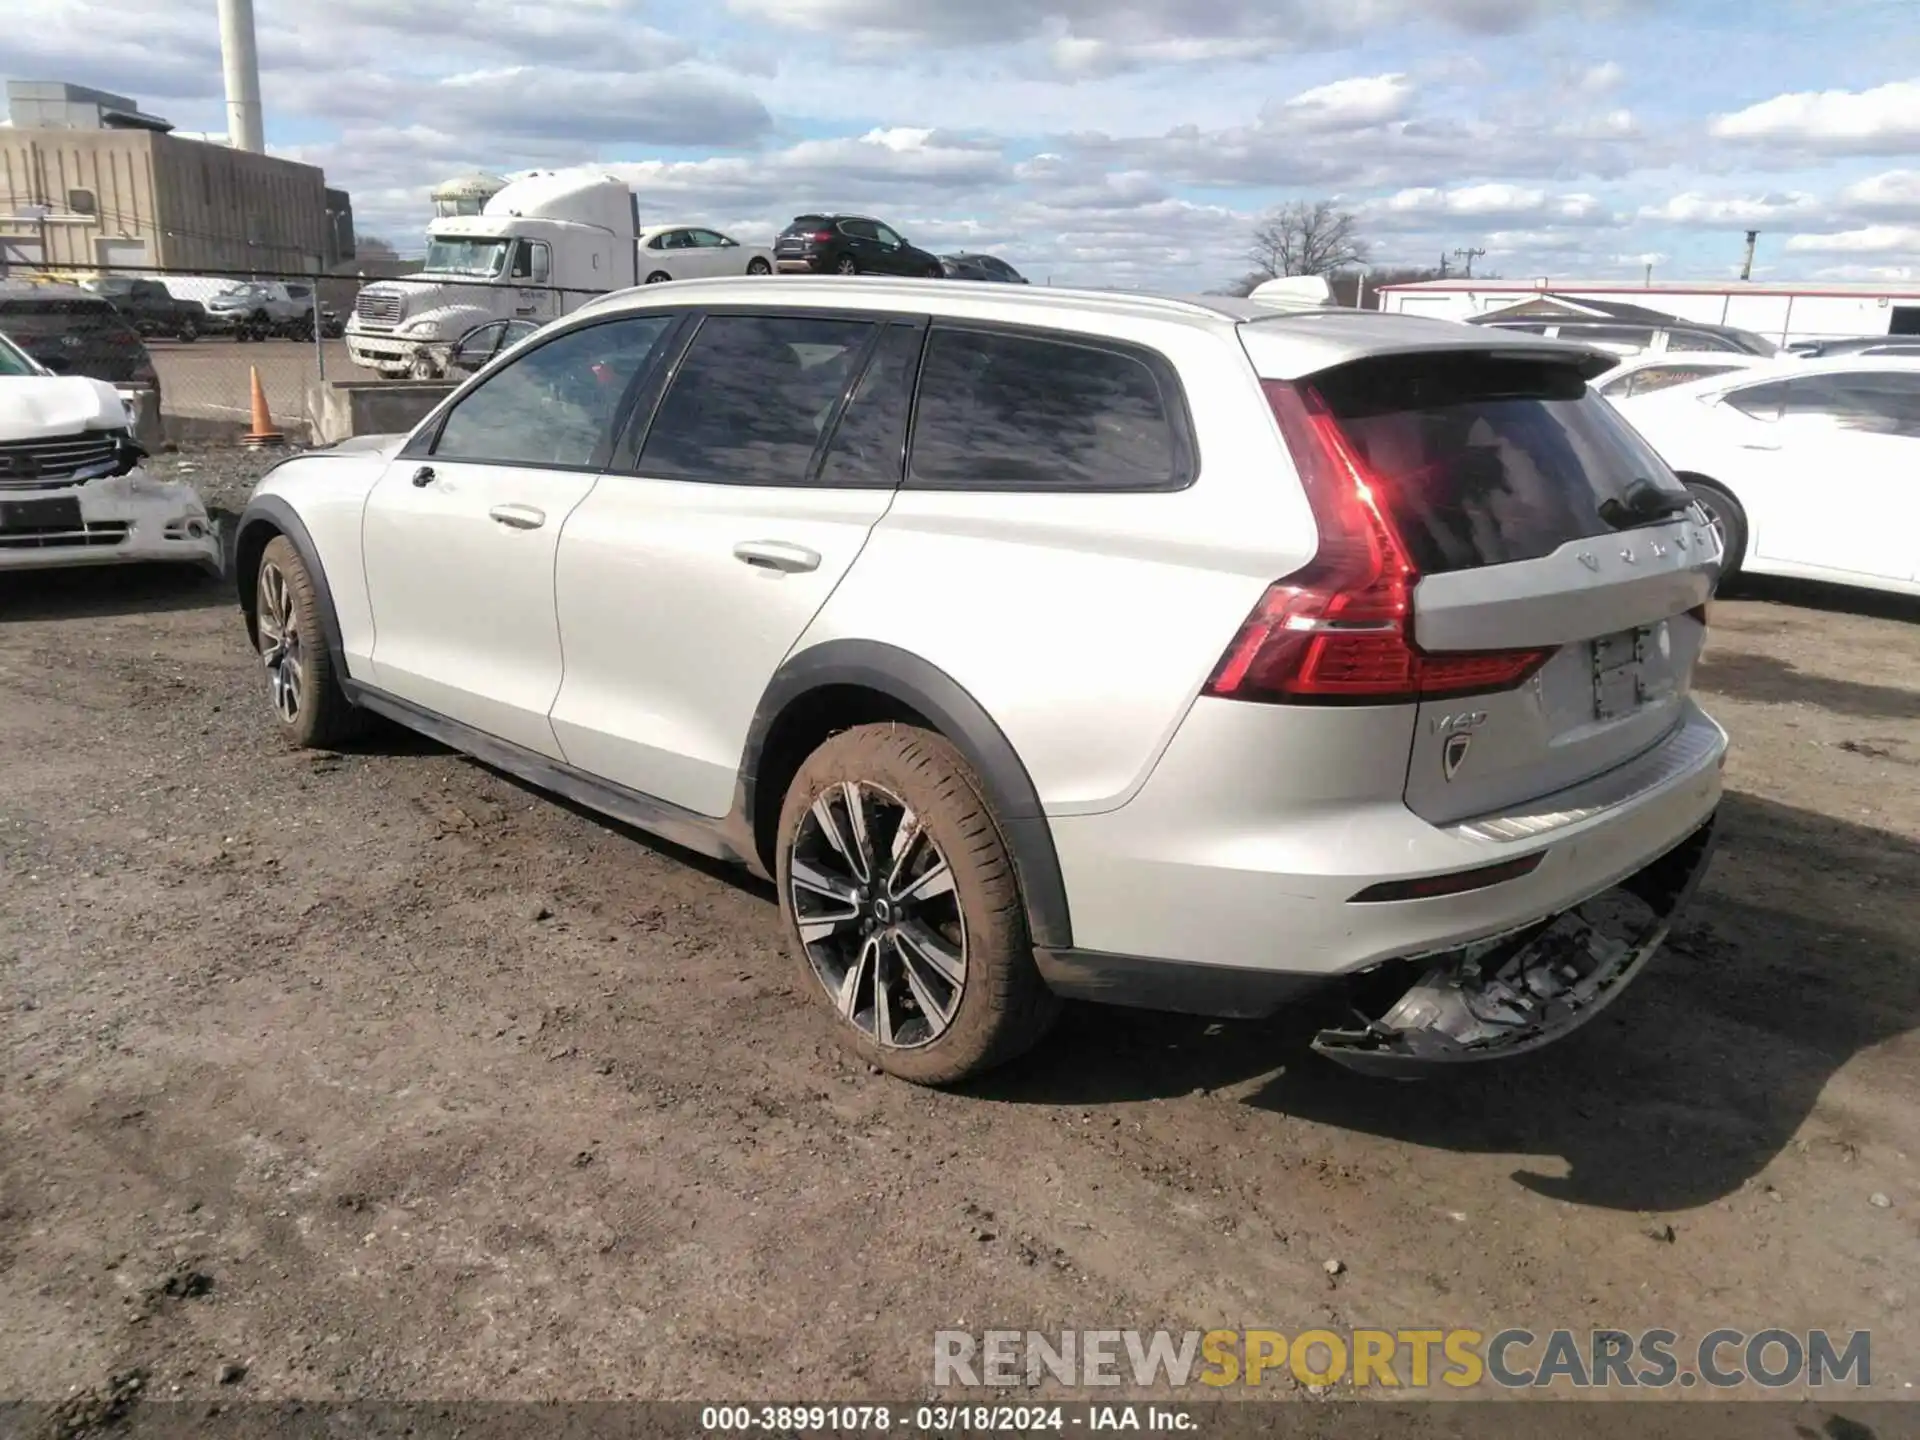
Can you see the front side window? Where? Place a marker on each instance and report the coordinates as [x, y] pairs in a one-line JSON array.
[[530, 262], [1010, 411], [1758, 402], [554, 405], [752, 397], [886, 236]]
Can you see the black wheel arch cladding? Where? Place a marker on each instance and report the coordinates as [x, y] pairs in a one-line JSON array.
[[929, 691], [265, 517]]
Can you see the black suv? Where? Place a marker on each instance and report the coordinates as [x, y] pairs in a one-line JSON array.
[[72, 332], [980, 267], [849, 245], [153, 309]]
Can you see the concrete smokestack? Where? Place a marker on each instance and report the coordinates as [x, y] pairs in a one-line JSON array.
[[1746, 265], [242, 64]]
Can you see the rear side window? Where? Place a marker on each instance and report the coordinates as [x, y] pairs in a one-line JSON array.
[[752, 397], [870, 442], [1484, 460], [1878, 402], [1010, 411]]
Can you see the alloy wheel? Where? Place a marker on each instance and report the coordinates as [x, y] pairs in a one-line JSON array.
[[874, 900], [280, 648]]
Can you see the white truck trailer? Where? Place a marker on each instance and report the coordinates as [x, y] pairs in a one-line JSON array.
[[540, 247]]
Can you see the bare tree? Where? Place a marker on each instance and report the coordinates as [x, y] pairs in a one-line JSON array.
[[1306, 237]]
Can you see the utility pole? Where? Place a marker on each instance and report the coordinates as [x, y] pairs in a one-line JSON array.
[[1647, 279], [1444, 272], [1469, 254], [1746, 266]]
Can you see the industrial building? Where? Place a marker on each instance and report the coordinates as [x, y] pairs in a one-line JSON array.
[[90, 181], [1783, 311]]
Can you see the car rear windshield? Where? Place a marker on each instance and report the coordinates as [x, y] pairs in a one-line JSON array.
[[1486, 460], [53, 317], [808, 222]]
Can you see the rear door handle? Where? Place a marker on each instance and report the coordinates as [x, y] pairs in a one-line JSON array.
[[777, 555], [519, 517]]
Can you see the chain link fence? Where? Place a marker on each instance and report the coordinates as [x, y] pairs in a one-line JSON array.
[[186, 345]]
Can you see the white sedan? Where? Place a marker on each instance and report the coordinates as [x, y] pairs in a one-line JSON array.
[[1806, 467], [689, 252]]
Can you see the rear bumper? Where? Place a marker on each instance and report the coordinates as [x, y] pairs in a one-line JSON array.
[[1505, 997], [1241, 882], [799, 264]]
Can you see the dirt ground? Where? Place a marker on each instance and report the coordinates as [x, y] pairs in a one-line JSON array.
[[382, 1075]]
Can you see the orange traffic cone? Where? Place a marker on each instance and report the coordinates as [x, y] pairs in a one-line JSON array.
[[263, 434]]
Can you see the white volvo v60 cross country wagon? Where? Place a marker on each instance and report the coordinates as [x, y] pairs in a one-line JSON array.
[[1037, 644]]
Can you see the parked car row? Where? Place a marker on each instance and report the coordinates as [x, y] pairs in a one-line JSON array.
[[240, 310], [815, 243]]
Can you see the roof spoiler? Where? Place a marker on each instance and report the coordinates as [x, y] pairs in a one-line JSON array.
[[1294, 292]]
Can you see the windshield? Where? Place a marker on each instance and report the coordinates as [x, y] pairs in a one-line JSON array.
[[13, 361], [466, 256], [242, 292]]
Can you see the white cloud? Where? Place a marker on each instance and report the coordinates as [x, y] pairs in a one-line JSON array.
[[1602, 78], [1489, 205], [1101, 37], [1890, 274], [1868, 240], [1881, 121], [1345, 104], [1892, 195], [1724, 211]]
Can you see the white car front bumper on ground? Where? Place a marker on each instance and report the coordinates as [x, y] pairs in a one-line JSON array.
[[126, 519]]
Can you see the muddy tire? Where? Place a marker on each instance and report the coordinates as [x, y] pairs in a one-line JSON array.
[[905, 916], [1730, 519], [309, 707]]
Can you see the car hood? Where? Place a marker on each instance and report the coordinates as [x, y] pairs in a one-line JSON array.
[[36, 406]]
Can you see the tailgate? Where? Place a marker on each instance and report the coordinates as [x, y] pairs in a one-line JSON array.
[[1542, 526]]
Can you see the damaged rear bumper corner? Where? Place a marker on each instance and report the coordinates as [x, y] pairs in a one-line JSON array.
[[1514, 993]]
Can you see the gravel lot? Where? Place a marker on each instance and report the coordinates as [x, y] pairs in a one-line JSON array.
[[382, 1075]]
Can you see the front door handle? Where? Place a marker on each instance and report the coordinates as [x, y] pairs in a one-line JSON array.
[[423, 476], [777, 555], [518, 517]]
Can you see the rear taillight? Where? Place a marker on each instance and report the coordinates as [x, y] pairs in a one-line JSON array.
[[821, 237], [1340, 630]]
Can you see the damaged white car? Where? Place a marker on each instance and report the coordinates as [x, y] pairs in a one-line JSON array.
[[72, 491]]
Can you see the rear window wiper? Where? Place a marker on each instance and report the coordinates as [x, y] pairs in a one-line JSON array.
[[1642, 503]]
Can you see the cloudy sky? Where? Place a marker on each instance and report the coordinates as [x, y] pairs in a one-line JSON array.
[[1111, 142]]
